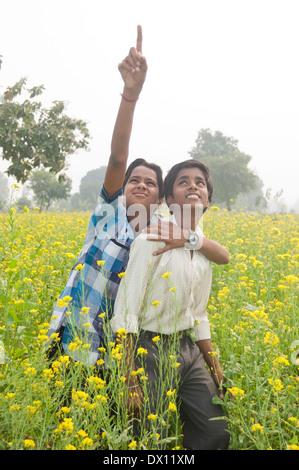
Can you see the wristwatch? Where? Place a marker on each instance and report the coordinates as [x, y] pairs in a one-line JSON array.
[[193, 240]]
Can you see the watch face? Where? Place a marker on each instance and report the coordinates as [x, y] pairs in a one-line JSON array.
[[193, 239]]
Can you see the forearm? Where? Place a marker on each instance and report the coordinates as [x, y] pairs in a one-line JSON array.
[[123, 129], [214, 251], [177, 237], [206, 348], [212, 361], [211, 249]]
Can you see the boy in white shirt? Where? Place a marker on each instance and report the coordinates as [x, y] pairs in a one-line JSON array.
[[161, 303]]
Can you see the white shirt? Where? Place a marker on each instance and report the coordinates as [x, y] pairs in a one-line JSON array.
[[181, 308]]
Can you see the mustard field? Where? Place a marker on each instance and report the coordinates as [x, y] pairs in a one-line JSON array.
[[253, 311]]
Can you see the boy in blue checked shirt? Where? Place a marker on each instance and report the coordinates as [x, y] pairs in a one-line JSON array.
[[89, 295]]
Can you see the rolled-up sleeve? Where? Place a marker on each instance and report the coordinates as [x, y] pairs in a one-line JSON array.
[[202, 330]]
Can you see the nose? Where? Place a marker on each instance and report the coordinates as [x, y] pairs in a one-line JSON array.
[[192, 185], [141, 184]]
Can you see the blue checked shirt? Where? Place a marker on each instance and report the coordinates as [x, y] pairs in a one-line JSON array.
[[94, 286]]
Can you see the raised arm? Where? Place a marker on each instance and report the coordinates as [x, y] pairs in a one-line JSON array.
[[133, 71]]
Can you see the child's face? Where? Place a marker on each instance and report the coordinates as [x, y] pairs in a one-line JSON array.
[[142, 188], [190, 188]]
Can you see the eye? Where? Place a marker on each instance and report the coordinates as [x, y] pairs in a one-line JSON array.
[[152, 183]]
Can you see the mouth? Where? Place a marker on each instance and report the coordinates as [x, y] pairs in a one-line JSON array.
[[193, 196], [140, 194]]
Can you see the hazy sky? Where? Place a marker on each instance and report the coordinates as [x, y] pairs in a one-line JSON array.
[[227, 65]]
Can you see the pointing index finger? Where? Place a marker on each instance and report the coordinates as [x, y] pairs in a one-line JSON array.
[[139, 39]]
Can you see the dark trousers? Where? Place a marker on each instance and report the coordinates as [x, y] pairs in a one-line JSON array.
[[181, 367]]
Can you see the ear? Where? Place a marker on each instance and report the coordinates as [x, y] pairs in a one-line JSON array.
[[206, 206], [169, 200]]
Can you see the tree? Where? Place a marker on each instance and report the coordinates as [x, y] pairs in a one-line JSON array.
[[91, 185], [89, 190], [227, 164], [47, 189], [253, 200], [34, 137]]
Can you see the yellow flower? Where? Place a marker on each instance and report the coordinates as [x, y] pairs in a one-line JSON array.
[[79, 267], [152, 417], [136, 372], [155, 303], [59, 383], [65, 409], [292, 279], [257, 428], [70, 447], [236, 392], [84, 310], [156, 339], [29, 443], [271, 338], [213, 353], [281, 360], [172, 289], [172, 407], [87, 442], [74, 346], [81, 433], [102, 398], [101, 262], [121, 275], [166, 275], [133, 445], [141, 351], [61, 303], [276, 383], [54, 336], [64, 360], [30, 371], [122, 332]]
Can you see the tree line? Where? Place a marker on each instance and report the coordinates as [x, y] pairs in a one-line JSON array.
[[37, 141]]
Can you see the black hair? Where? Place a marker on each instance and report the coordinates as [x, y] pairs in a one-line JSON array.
[[173, 172], [152, 166]]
